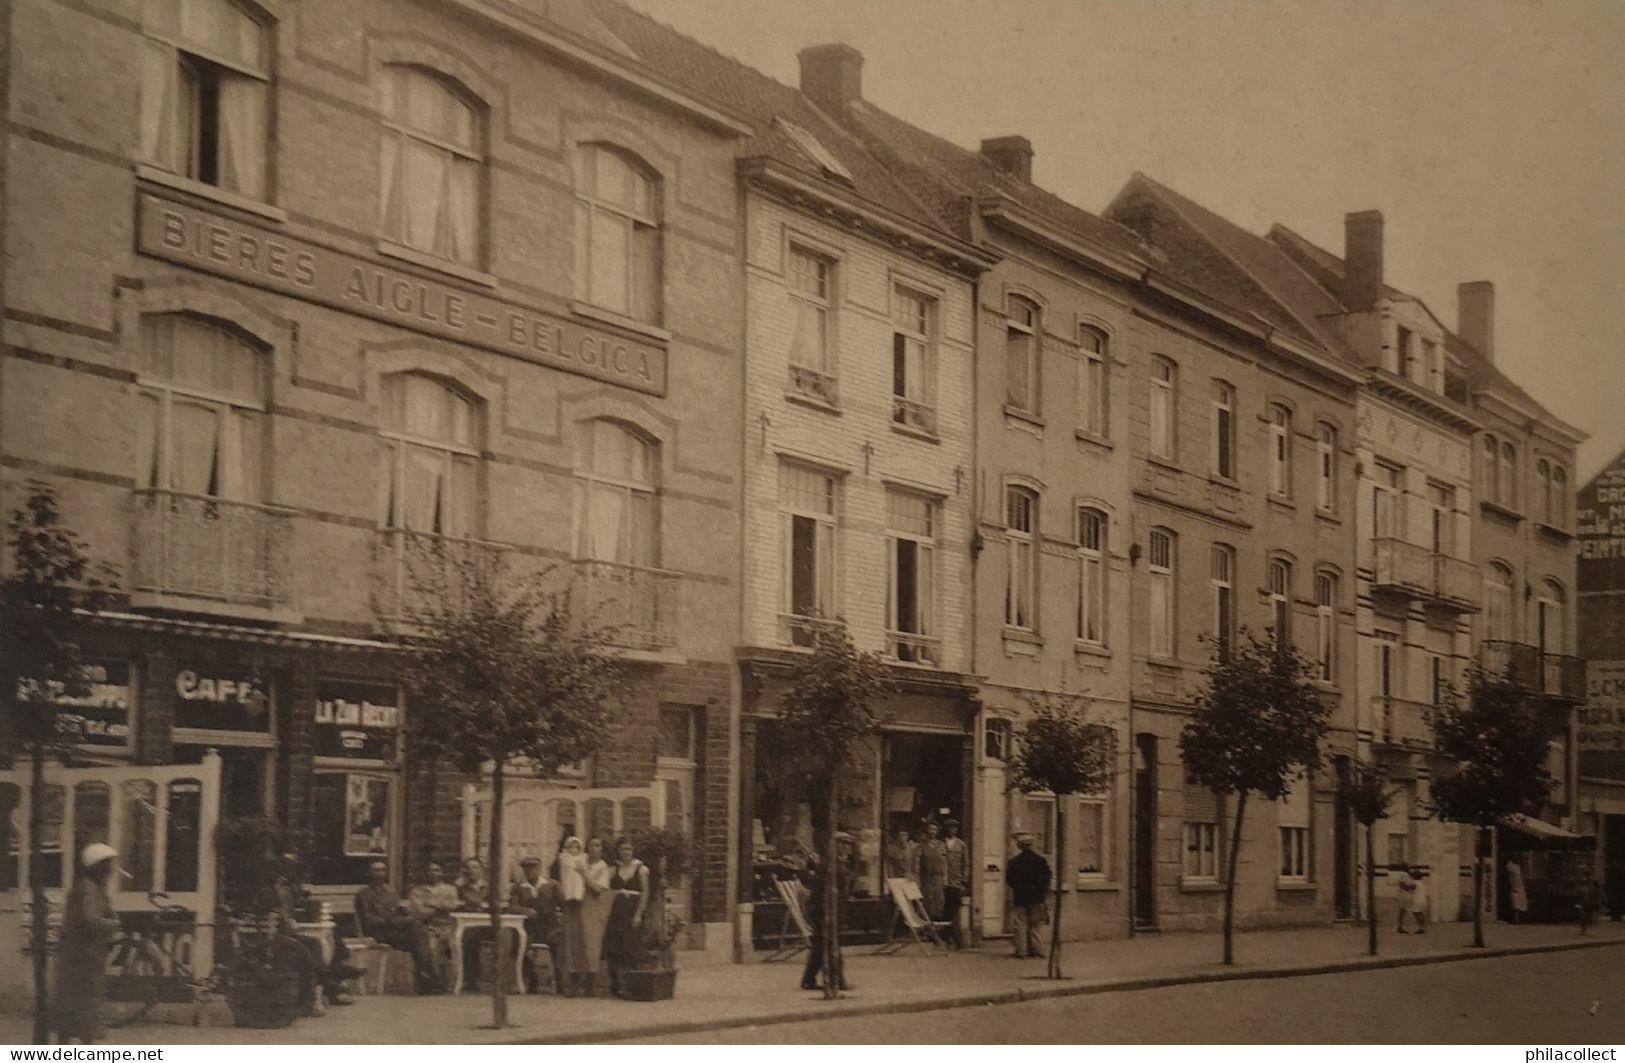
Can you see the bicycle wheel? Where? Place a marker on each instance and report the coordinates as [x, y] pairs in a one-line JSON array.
[[134, 967]]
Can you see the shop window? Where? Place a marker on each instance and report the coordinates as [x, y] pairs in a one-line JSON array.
[[205, 93], [431, 166], [355, 825], [912, 401], [618, 233]]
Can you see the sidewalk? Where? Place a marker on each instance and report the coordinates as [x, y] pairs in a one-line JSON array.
[[757, 994]]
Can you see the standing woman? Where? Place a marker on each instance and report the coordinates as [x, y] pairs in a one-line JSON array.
[[88, 925], [931, 870], [571, 872], [629, 885], [594, 915]]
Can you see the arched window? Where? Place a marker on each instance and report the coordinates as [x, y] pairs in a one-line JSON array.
[[430, 160], [1560, 496], [200, 428], [1508, 471], [1492, 470], [1093, 381], [1023, 336], [1326, 626], [1224, 430], [616, 510], [1498, 605], [205, 92], [1280, 450], [1092, 525], [1222, 579], [1280, 592], [1549, 617], [1164, 404], [431, 457], [1543, 490], [1326, 467], [1160, 572], [617, 233]]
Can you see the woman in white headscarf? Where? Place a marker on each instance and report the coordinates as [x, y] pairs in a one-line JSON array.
[[572, 878], [88, 925]]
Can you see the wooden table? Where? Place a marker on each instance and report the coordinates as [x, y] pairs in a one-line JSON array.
[[321, 931], [463, 922]]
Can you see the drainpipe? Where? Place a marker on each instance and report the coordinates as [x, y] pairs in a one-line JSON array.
[[1133, 788]]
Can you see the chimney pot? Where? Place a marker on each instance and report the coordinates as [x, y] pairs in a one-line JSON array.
[[1012, 154], [1475, 316], [832, 75], [1362, 259]]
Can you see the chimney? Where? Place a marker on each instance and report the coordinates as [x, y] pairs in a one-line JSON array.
[[1013, 155], [832, 76], [1362, 259], [1475, 316]]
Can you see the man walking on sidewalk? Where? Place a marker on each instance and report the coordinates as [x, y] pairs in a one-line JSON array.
[[815, 915], [1027, 876]]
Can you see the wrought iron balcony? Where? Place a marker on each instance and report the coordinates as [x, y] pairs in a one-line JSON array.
[[417, 571], [202, 547], [1402, 724], [1555, 675], [915, 649], [637, 604], [1417, 570]]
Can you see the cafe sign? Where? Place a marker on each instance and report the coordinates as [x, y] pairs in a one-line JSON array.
[[212, 702], [357, 721], [100, 714], [238, 251]]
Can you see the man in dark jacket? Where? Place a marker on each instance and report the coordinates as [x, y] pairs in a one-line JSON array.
[[1027, 876], [815, 914]]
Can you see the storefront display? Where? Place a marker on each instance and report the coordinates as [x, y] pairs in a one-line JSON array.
[[356, 736]]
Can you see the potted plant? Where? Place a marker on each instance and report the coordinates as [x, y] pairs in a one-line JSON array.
[[666, 853], [262, 977]]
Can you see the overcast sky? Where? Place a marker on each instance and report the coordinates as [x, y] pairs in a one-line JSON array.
[[1490, 133]]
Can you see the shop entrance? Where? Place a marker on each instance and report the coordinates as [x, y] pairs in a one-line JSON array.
[[922, 781]]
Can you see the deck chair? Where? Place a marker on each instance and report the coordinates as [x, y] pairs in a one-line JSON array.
[[922, 929], [795, 934]]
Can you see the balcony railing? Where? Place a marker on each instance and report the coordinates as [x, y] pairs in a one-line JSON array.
[[1402, 723], [1415, 569], [419, 571], [912, 414], [1553, 674], [638, 605], [199, 546], [800, 629], [820, 387], [915, 649]]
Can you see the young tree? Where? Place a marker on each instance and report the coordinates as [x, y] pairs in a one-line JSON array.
[[1062, 752], [501, 669], [828, 709], [1256, 729], [45, 598], [1368, 796], [1496, 741]]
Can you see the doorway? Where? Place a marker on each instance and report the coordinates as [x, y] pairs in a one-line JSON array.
[[1145, 831], [1343, 861]]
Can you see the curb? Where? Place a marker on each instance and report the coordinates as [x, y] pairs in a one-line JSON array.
[[1019, 995]]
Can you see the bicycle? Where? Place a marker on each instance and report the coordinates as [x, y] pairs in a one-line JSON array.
[[146, 968]]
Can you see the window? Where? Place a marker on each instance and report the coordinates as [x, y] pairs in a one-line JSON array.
[[359, 828], [1388, 672], [1498, 611], [1021, 528], [1293, 820], [1163, 406], [1549, 617], [618, 234], [1160, 570], [430, 166], [617, 516], [1492, 470], [1093, 834], [1543, 490], [911, 361], [1093, 401], [1022, 340], [807, 500], [1402, 352], [1551, 493], [1432, 371], [1397, 849], [1280, 592], [676, 744], [200, 390], [911, 586], [1326, 626], [1091, 576], [431, 460], [1438, 679], [996, 738], [1224, 430], [1560, 497], [1201, 832], [1326, 468], [1387, 486], [1442, 519], [1280, 450], [812, 364], [1509, 476], [1038, 818], [205, 93], [1222, 578]]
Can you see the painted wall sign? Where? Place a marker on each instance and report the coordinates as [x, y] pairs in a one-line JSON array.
[[221, 703], [1601, 721], [361, 721], [241, 252], [101, 716], [1599, 525]]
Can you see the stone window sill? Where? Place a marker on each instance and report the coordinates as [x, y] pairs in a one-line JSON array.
[[1191, 884], [915, 433], [224, 197], [440, 265], [643, 329], [801, 398], [1093, 439], [1294, 885], [1016, 413]]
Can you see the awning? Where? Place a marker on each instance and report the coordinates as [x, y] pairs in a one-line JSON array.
[[1549, 835]]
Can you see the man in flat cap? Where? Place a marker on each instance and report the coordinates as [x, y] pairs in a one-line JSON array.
[[1027, 875], [537, 897], [815, 914], [956, 879]]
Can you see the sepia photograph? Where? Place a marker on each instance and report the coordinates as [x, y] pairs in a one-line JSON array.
[[840, 522]]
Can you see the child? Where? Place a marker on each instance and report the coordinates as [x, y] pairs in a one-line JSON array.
[[1412, 900]]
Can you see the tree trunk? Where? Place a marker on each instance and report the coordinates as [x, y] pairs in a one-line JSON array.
[[1479, 855], [494, 880], [832, 907], [1230, 880], [1055, 920], [39, 930], [1371, 887]]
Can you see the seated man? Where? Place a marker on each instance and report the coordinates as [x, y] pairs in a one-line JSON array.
[[431, 905], [385, 918], [287, 896], [536, 897]]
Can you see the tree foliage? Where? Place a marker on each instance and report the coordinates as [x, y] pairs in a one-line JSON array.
[[1255, 729], [1062, 751]]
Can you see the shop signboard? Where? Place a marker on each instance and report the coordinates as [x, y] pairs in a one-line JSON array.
[[357, 721], [1601, 721], [208, 699], [100, 716]]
